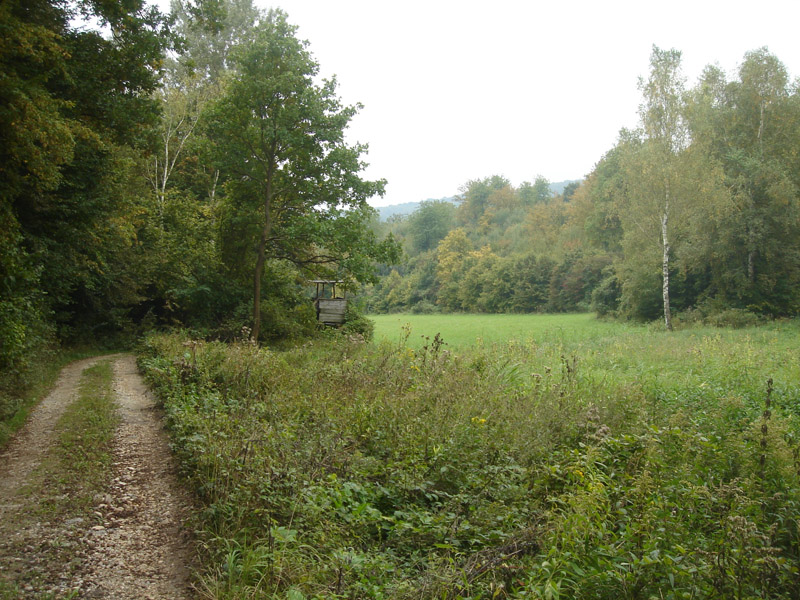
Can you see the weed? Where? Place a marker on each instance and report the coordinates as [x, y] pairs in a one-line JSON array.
[[629, 465]]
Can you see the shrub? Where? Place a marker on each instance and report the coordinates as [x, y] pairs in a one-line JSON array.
[[736, 318], [605, 297], [424, 307], [355, 323]]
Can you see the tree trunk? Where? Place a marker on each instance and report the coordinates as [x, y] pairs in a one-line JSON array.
[[212, 192], [751, 238], [665, 261], [261, 259], [262, 245]]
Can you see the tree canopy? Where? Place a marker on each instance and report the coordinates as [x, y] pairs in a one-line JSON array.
[[75, 113], [155, 168]]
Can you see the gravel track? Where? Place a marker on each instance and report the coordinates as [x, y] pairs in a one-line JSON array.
[[25, 451], [134, 544]]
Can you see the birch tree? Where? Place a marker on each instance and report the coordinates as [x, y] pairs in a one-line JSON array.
[[210, 30], [182, 104], [654, 165]]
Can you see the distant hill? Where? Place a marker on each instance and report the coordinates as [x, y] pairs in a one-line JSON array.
[[558, 186], [406, 208]]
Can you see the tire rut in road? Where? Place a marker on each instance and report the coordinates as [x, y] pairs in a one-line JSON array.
[[25, 451]]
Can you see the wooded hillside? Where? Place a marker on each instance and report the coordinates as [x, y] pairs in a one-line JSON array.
[[694, 212]]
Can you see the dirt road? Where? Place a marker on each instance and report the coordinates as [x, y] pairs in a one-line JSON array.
[[131, 543]]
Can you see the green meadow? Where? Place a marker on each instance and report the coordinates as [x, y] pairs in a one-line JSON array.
[[464, 330], [697, 358]]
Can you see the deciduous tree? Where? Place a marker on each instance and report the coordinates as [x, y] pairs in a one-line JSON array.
[[293, 188], [653, 165], [430, 223]]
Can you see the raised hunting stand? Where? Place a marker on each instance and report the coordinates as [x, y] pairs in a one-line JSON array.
[[330, 310]]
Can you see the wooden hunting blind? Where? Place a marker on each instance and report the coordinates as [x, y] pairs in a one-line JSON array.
[[330, 307]]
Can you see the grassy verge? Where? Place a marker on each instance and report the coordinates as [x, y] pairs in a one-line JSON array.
[[45, 535], [629, 465]]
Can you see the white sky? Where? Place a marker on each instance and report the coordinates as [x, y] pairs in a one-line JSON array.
[[454, 91], [461, 90]]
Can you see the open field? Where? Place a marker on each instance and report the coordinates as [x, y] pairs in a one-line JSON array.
[[705, 360], [462, 330], [584, 460]]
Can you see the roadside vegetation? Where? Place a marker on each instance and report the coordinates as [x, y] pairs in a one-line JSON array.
[[634, 465]]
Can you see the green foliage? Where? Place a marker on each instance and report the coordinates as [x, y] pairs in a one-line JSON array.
[[539, 191], [518, 251], [735, 318], [23, 326], [67, 190], [430, 223], [210, 29], [292, 186], [131, 206], [478, 196], [357, 324], [605, 297], [594, 462], [573, 281], [741, 127]]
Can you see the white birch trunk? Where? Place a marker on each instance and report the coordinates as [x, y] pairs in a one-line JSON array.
[[665, 260]]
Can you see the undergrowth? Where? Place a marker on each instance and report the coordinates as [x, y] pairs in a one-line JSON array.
[[642, 466]]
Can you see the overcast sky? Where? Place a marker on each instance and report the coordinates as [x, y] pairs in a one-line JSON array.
[[454, 91]]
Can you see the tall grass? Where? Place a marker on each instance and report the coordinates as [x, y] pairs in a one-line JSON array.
[[635, 464]]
